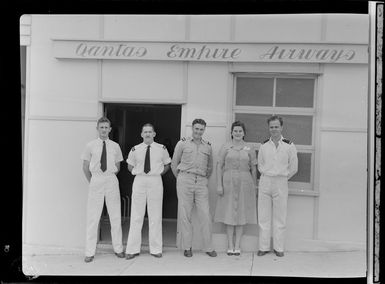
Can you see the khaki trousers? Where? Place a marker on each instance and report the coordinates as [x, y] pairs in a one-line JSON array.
[[192, 188]]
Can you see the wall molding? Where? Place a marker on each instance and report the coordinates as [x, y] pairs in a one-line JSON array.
[[143, 101], [343, 129], [62, 118]]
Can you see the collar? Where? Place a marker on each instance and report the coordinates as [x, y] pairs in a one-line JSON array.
[[101, 141], [145, 145], [279, 141], [191, 139]]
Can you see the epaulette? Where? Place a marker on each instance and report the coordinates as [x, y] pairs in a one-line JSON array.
[[267, 140], [164, 147], [133, 149], [286, 141], [183, 139], [207, 142]]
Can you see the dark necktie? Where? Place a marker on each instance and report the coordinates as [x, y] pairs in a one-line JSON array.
[[103, 158], [147, 166]]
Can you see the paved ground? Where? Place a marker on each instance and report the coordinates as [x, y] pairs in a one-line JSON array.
[[298, 264]]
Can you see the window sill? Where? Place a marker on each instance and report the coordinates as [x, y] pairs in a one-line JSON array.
[[301, 192]]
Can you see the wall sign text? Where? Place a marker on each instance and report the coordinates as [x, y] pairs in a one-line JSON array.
[[221, 52]]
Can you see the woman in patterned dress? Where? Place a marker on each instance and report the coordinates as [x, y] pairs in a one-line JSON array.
[[236, 177]]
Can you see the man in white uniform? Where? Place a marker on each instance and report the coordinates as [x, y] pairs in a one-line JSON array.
[[277, 163], [147, 161], [101, 162]]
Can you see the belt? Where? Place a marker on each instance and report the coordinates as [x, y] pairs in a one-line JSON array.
[[191, 173]]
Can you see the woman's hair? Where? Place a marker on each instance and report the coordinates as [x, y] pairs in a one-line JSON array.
[[238, 123]]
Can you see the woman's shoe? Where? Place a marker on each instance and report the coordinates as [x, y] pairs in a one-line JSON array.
[[237, 252], [230, 252]]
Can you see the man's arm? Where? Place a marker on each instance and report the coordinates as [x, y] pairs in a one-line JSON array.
[[130, 168], [260, 159], [86, 170], [166, 168], [293, 161], [210, 164], [117, 167], [176, 158]]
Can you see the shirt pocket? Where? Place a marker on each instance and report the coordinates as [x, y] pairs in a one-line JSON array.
[[204, 156], [111, 154], [188, 155]]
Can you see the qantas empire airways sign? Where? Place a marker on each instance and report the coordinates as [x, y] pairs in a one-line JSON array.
[[219, 52]]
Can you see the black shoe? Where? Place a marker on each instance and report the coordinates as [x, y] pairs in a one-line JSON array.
[[131, 256], [211, 253], [88, 259], [262, 252], [188, 253], [158, 255], [279, 253], [120, 255]]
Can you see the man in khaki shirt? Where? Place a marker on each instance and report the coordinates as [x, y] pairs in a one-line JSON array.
[[192, 165]]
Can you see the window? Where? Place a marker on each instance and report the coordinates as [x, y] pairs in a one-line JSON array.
[[292, 97]]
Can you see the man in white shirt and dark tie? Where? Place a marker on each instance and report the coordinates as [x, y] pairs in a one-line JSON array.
[[147, 161], [101, 162], [277, 163]]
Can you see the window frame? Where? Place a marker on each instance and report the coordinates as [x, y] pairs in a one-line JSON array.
[[295, 188]]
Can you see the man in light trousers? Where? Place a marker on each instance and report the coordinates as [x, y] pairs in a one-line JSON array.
[[277, 163], [101, 162], [147, 161], [192, 166]]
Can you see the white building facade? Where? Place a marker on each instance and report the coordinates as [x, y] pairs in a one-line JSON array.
[[310, 69]]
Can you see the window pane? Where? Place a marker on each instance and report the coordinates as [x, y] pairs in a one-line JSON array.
[[254, 91], [297, 128], [304, 168], [292, 92], [256, 126]]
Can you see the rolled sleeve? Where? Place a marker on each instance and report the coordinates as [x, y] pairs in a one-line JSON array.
[[131, 159], [86, 155], [119, 155], [166, 157]]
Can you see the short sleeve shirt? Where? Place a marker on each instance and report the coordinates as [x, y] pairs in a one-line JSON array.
[[192, 157], [159, 157], [93, 153]]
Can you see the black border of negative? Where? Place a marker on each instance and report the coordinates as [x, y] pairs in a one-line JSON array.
[[377, 141]]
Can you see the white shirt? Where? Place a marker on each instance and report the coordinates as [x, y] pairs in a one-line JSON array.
[[159, 157], [278, 161], [93, 153]]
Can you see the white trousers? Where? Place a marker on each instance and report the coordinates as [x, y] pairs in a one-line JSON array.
[[272, 200], [103, 187], [146, 190]]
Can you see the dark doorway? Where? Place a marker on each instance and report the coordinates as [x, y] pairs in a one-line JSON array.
[[127, 121]]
